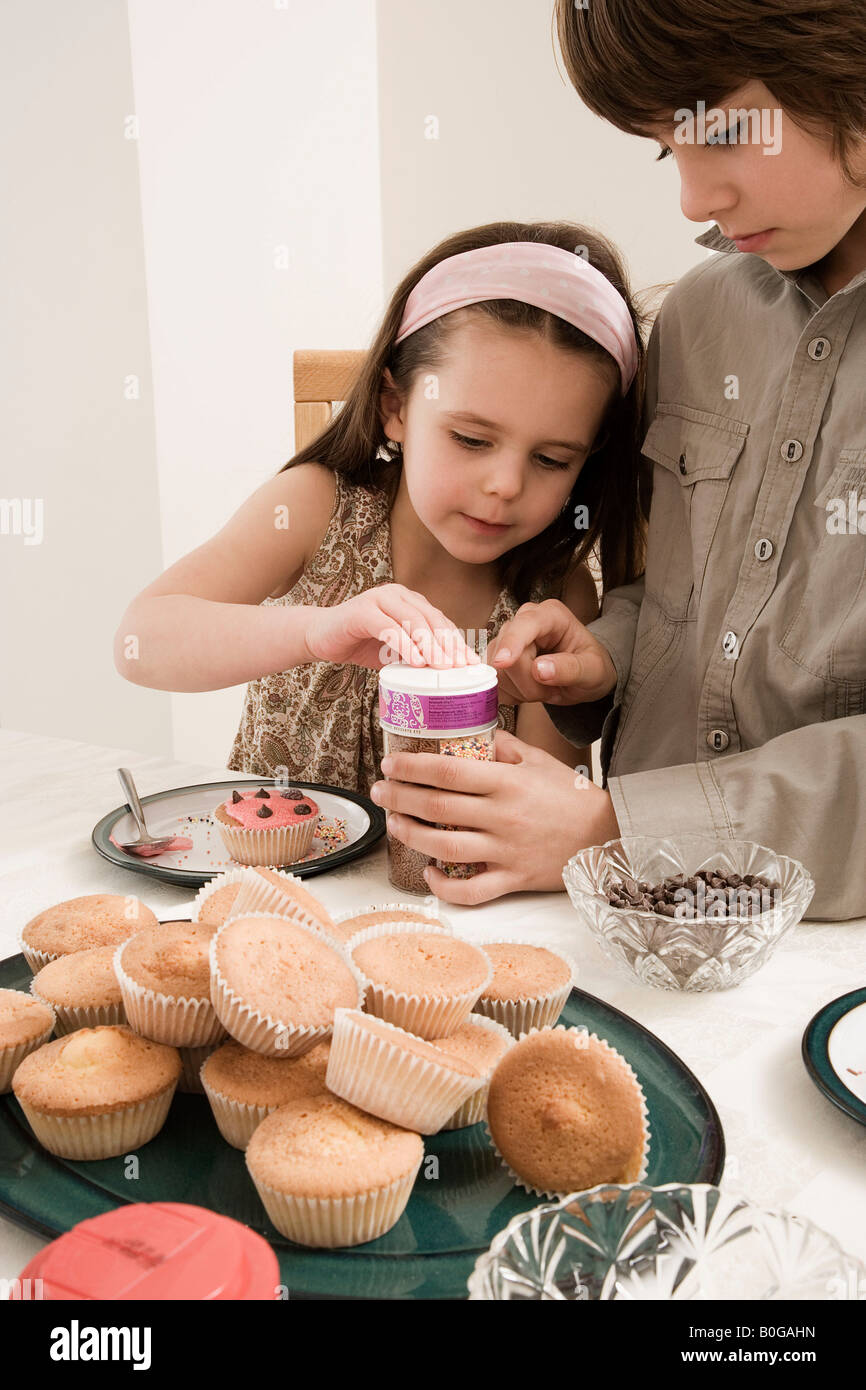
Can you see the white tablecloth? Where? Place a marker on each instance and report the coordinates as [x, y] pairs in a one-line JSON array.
[[787, 1145]]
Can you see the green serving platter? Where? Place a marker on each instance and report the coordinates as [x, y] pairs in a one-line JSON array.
[[461, 1199]]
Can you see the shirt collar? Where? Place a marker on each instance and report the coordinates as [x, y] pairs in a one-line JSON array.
[[715, 240]]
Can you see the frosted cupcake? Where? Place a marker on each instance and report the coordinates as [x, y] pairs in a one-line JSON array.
[[275, 983], [423, 980], [530, 985], [349, 924], [97, 1093], [330, 1175], [25, 1024], [270, 826], [164, 975], [97, 919], [395, 1075], [565, 1112], [82, 989], [243, 1086], [483, 1043], [280, 895]]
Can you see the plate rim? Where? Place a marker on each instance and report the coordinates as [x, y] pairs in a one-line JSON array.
[[816, 1055], [196, 878], [710, 1162]]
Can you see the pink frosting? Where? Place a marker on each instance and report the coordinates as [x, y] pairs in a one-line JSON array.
[[284, 810], [179, 842]]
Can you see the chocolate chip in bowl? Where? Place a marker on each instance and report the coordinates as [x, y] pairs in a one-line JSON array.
[[687, 912]]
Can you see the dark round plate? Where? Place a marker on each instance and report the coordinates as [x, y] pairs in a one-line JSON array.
[[188, 811], [821, 1049], [461, 1199]]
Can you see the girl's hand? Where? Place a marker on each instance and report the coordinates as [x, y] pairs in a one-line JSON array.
[[387, 623], [545, 653]]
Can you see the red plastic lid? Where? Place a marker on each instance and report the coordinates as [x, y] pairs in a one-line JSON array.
[[155, 1250]]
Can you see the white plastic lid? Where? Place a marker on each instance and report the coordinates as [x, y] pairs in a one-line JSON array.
[[445, 680]]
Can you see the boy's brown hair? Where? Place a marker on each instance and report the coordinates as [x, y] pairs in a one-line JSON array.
[[612, 483], [636, 62]]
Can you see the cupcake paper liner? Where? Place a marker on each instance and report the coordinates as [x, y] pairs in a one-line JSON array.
[[539, 1192], [420, 910], [534, 1011], [270, 847], [34, 957], [101, 1136], [259, 896], [260, 1032], [208, 889], [336, 1221], [471, 1112], [191, 1060], [236, 1121], [383, 1078], [426, 1015], [70, 1017], [12, 1057], [167, 1018]]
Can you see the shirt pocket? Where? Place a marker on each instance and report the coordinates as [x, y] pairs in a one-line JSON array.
[[827, 635], [696, 452]]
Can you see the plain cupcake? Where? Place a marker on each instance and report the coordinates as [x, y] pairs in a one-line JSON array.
[[82, 989], [281, 894], [394, 1074], [243, 1086], [565, 1112], [164, 975], [349, 924], [330, 1175], [25, 1024], [483, 1042], [530, 985], [276, 982], [423, 980], [97, 919], [98, 1092], [215, 900]]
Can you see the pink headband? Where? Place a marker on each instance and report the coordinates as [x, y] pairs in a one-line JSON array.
[[536, 273]]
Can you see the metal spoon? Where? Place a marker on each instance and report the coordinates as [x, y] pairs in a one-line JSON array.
[[145, 841]]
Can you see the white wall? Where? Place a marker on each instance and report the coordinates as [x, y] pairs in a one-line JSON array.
[[74, 328], [258, 158]]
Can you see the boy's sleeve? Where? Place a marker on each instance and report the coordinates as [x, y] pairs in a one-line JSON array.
[[803, 792], [616, 625]]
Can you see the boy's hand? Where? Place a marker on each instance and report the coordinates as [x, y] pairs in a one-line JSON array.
[[545, 653]]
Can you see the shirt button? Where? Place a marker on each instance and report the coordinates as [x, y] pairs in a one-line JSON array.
[[764, 548], [819, 348], [718, 739], [791, 450], [731, 644], [682, 463]]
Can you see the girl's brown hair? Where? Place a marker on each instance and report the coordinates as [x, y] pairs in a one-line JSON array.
[[611, 483], [636, 62]]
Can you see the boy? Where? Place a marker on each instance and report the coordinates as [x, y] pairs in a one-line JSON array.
[[728, 685]]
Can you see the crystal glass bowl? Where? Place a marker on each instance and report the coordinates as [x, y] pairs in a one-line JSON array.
[[673, 1242], [697, 953]]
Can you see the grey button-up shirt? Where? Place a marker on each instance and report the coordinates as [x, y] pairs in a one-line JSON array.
[[740, 705]]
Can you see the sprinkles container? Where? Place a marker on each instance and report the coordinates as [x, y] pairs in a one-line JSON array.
[[425, 709]]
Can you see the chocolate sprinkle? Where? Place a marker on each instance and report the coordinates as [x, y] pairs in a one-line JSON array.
[[264, 812]]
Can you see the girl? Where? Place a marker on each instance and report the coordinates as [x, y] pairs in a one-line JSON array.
[[481, 431]]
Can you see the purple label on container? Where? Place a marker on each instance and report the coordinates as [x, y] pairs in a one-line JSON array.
[[422, 713]]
